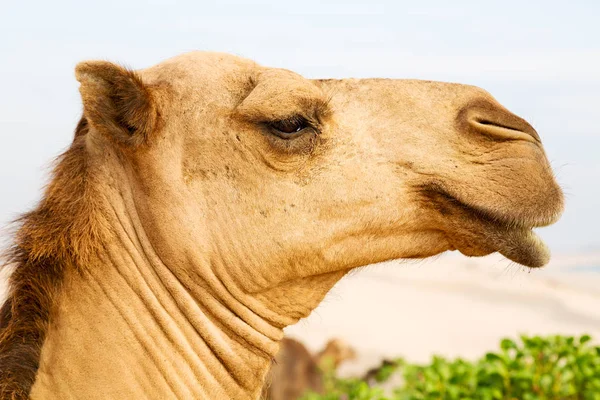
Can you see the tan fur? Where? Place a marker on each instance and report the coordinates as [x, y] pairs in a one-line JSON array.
[[182, 232]]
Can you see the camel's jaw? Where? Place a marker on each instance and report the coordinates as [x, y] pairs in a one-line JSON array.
[[477, 231]]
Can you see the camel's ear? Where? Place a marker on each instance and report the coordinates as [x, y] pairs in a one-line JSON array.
[[116, 101]]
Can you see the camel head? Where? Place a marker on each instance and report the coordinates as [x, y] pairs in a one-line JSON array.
[[276, 185]]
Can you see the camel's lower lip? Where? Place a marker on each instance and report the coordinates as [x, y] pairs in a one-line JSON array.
[[522, 246], [480, 233], [525, 247]]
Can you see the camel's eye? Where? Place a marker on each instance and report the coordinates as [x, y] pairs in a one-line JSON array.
[[289, 128]]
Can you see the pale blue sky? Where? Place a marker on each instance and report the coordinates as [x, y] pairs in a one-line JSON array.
[[539, 58]]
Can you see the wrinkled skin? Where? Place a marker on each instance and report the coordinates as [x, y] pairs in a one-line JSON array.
[[266, 221]]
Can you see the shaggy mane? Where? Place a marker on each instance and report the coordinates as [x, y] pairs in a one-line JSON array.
[[59, 234]]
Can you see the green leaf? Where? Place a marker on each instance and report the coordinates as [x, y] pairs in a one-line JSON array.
[[584, 339], [507, 344]]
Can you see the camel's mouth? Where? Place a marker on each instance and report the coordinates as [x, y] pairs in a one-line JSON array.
[[476, 232]]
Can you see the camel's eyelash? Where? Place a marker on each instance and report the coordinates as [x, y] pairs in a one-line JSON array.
[[301, 142], [291, 127]]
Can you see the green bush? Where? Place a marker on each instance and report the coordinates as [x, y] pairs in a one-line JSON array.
[[535, 368]]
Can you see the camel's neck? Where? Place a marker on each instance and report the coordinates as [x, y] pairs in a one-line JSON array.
[[131, 327]]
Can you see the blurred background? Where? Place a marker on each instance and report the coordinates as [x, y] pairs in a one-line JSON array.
[[541, 59]]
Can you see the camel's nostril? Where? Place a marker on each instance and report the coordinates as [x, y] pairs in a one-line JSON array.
[[490, 119], [507, 130], [486, 122]]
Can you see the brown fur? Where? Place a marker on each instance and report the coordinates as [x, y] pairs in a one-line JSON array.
[[295, 371], [60, 233], [117, 102]]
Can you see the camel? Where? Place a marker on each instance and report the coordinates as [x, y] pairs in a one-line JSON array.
[[335, 352], [208, 202], [295, 371]]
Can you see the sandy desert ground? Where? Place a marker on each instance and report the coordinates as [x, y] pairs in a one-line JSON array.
[[451, 305]]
